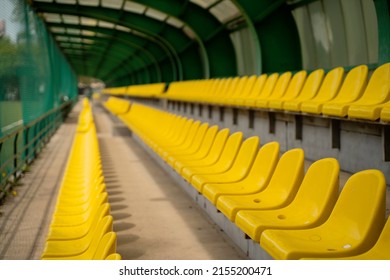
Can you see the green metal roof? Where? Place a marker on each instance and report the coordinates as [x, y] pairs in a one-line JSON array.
[[143, 41]]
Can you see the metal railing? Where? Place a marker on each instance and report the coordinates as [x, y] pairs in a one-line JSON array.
[[26, 142]]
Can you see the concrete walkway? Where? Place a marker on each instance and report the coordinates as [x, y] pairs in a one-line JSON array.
[[153, 217]]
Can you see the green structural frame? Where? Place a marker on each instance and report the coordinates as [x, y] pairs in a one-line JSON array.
[[141, 48]]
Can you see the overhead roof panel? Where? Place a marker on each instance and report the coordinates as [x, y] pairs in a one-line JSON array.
[[163, 30], [73, 31], [75, 40], [70, 19], [134, 7], [88, 33], [88, 21], [62, 38], [50, 17], [204, 3], [93, 3], [105, 24], [58, 29], [225, 10], [66, 1], [113, 4]]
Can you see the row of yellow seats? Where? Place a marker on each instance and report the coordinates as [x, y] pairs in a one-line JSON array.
[[117, 106], [331, 94], [292, 214], [143, 90], [81, 226]]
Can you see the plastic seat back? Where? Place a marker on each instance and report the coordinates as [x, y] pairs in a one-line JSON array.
[[293, 89], [280, 191], [317, 194], [120, 106], [198, 138], [311, 206], [245, 157], [217, 147], [268, 86], [352, 228], [287, 177], [277, 92], [264, 165], [239, 88], [330, 86], [353, 85], [380, 251], [378, 88], [257, 179], [360, 209], [191, 135], [106, 246], [181, 135], [256, 89], [230, 150], [207, 142], [247, 88], [309, 90]]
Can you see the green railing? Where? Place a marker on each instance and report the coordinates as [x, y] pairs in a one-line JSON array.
[[19, 148]]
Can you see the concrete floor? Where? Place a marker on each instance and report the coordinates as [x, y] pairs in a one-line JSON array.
[[153, 217]]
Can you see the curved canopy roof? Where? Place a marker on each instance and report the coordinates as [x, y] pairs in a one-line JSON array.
[[129, 42]]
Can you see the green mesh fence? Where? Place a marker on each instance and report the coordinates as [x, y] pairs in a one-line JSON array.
[[35, 78]]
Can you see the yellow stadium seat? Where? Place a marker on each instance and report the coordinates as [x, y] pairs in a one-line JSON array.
[[257, 179], [380, 251], [231, 94], [240, 95], [293, 90], [253, 92], [280, 191], [309, 90], [265, 91], [191, 149], [212, 155], [238, 170], [200, 153], [224, 162], [328, 91], [188, 141], [352, 228], [278, 91], [375, 97], [179, 139], [70, 231], [78, 218], [227, 86], [117, 106], [351, 90], [311, 206], [146, 90], [82, 248], [106, 246]]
